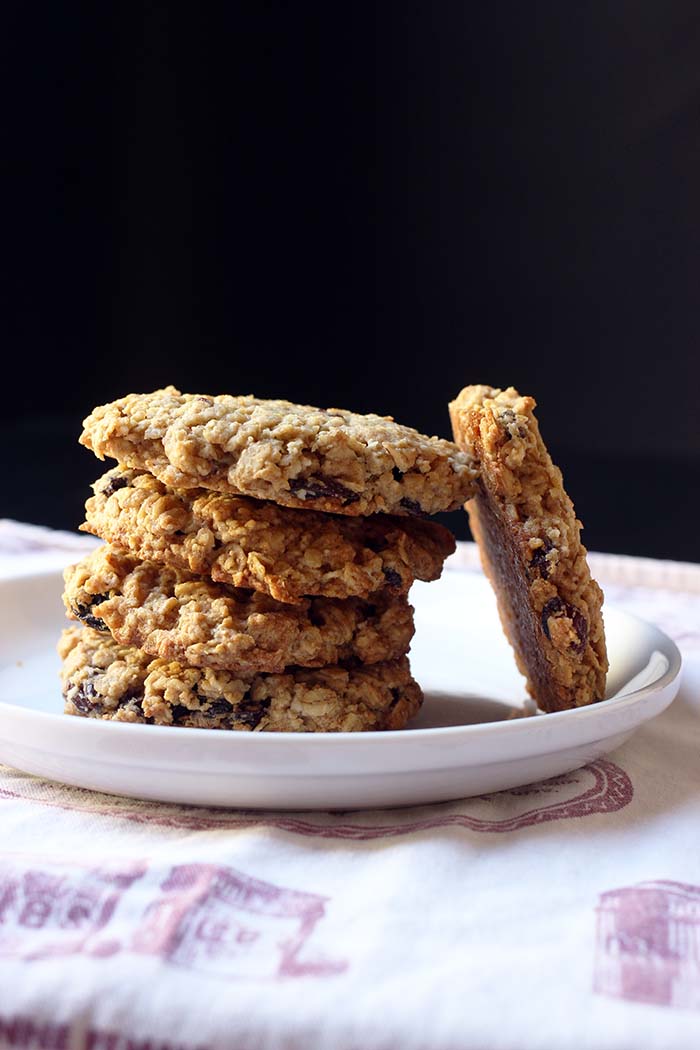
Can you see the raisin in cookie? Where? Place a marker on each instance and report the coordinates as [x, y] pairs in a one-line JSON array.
[[528, 537], [294, 455], [286, 553], [102, 679], [178, 616]]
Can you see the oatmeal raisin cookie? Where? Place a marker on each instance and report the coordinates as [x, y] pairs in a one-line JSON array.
[[286, 553], [178, 616], [105, 680], [295, 455], [528, 537]]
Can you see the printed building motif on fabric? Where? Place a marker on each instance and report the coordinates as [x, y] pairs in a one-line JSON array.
[[648, 944], [61, 910], [218, 921]]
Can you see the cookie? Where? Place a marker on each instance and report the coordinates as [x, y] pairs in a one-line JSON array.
[[179, 616], [102, 679], [529, 540], [295, 455], [285, 553]]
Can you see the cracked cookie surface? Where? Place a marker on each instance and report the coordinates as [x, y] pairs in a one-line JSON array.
[[105, 680], [179, 616], [295, 455], [530, 546], [255, 544]]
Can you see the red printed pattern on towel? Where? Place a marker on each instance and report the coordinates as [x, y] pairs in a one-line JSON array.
[[203, 917], [218, 921], [648, 944], [60, 910], [599, 788], [28, 1033]]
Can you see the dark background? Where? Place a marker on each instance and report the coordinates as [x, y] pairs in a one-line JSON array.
[[368, 205]]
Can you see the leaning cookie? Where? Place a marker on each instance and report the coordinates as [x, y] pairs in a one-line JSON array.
[[528, 537], [295, 455], [102, 679], [255, 544], [178, 616]]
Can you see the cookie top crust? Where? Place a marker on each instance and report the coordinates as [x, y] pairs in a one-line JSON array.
[[178, 616], [255, 544], [530, 546], [102, 679], [295, 455]]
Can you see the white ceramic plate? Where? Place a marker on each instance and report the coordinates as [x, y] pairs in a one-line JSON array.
[[460, 745]]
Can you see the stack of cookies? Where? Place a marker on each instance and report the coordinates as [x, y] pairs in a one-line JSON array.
[[257, 563]]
